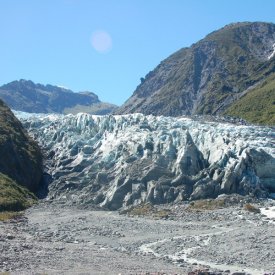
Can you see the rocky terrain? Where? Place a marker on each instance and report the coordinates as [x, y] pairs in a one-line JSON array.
[[24, 95], [119, 161], [211, 75], [54, 239]]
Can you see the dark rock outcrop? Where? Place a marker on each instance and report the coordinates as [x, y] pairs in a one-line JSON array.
[[20, 156]]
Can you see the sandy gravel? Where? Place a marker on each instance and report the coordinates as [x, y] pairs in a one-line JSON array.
[[51, 239]]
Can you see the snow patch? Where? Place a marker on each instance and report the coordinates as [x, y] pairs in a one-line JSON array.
[[63, 87], [269, 212], [273, 53]]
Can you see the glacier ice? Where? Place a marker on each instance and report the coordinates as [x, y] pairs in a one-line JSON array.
[[116, 161]]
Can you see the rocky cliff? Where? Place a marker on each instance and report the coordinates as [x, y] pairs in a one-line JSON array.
[[117, 161], [20, 156], [27, 96], [209, 76]]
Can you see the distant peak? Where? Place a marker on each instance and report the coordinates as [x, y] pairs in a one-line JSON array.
[[25, 95], [24, 81]]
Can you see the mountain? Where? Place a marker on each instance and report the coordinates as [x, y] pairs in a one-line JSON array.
[[209, 76], [20, 162], [117, 161], [27, 96]]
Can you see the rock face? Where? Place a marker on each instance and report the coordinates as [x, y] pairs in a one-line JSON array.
[[117, 161], [27, 96], [209, 76], [20, 156]]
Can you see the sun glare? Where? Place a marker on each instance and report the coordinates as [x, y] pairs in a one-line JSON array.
[[101, 41]]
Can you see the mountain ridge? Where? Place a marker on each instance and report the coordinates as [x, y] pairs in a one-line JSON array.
[[208, 76], [25, 95]]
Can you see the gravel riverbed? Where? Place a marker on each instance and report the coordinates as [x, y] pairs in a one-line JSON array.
[[54, 239]]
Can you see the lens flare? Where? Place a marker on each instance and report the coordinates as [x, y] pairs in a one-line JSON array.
[[101, 41]]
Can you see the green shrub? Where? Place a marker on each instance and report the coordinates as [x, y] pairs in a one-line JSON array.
[[14, 197], [258, 105]]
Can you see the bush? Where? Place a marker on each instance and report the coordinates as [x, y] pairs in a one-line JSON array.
[[209, 204], [9, 215], [251, 208], [14, 197], [147, 209]]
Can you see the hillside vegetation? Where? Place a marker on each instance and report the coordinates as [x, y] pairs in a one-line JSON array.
[[258, 105], [20, 156], [20, 165], [14, 197]]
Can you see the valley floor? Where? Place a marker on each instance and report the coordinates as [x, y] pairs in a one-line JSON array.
[[52, 239]]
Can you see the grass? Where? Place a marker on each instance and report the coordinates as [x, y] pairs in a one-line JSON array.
[[13, 197], [147, 210], [209, 204], [258, 105], [6, 215]]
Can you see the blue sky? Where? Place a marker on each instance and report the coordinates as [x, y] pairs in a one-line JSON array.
[[106, 46]]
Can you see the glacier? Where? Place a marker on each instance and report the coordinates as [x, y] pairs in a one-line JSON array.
[[117, 161]]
